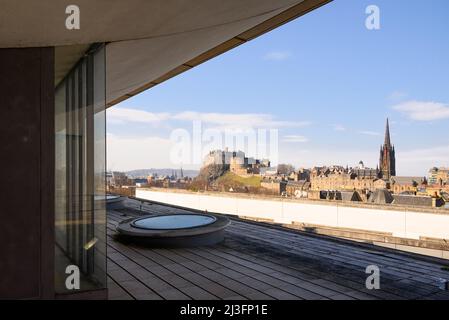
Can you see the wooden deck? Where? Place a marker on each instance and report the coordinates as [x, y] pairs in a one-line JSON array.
[[261, 262]]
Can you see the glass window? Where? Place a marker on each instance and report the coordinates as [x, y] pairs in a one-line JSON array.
[[80, 156]]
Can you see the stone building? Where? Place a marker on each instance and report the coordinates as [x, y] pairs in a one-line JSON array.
[[436, 190], [359, 178], [439, 176], [417, 201], [236, 162], [223, 157], [365, 173], [297, 189], [238, 166], [300, 175], [346, 179], [274, 186], [336, 195], [119, 179], [381, 196], [387, 161], [350, 196], [409, 185]]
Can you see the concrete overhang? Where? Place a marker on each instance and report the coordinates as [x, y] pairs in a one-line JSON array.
[[147, 42], [65, 59]]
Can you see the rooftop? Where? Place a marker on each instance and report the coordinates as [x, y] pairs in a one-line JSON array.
[[262, 261]]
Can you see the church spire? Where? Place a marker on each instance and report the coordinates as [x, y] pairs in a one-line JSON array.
[[387, 161], [387, 135]]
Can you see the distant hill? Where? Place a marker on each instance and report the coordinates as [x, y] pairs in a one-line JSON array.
[[161, 172]]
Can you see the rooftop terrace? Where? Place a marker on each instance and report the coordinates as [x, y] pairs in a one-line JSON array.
[[261, 261]]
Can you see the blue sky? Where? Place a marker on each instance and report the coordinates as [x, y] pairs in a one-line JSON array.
[[324, 81]]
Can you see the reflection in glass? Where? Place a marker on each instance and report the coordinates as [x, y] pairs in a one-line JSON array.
[[80, 132]]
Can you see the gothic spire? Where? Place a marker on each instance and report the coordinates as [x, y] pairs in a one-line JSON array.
[[387, 163], [387, 135]]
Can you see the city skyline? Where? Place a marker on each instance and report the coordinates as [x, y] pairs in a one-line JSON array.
[[328, 93]]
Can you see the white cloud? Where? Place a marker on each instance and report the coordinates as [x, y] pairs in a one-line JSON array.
[[423, 111], [238, 120], [218, 120], [339, 127], [128, 153], [397, 95], [419, 161], [123, 115], [277, 55], [330, 156], [370, 133], [294, 138]]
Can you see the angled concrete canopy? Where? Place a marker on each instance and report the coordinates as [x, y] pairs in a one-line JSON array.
[[148, 42]]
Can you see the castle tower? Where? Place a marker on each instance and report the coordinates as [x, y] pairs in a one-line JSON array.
[[387, 162]]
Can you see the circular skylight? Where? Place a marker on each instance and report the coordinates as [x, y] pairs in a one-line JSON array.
[[174, 221]]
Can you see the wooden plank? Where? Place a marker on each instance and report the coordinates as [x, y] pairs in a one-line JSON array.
[[115, 292], [155, 284], [138, 290], [332, 246], [240, 268], [236, 286], [181, 284], [275, 283], [396, 270], [340, 271], [195, 278], [310, 266]]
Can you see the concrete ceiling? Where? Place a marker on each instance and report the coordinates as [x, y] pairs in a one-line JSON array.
[[65, 59], [147, 41]]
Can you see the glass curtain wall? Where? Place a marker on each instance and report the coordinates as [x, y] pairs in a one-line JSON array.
[[80, 206]]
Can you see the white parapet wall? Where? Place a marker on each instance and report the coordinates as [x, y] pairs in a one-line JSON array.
[[400, 222]]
